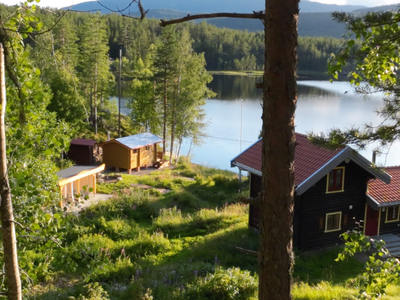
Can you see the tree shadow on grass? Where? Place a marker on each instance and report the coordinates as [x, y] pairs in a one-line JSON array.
[[320, 265]]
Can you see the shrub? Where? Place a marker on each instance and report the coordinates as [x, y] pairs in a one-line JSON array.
[[147, 244], [186, 200], [119, 229], [223, 284], [93, 292]]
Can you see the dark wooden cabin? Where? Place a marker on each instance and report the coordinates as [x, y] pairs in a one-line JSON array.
[[81, 151], [330, 192], [383, 202]]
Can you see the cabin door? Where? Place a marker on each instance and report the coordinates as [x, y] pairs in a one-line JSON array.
[[371, 221]]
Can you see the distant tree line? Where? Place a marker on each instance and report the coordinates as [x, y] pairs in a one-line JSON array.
[[224, 49]]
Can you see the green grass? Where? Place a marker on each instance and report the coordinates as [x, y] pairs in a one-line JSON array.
[[177, 245]]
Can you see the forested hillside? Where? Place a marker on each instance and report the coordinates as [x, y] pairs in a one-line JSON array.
[[224, 49], [208, 6], [314, 19]]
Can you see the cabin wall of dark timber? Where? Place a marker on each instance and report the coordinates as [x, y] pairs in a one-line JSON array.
[[81, 155], [316, 203], [254, 211], [390, 227], [312, 206]]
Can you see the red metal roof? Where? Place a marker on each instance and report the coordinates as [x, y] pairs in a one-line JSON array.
[[384, 193], [83, 142], [308, 158]]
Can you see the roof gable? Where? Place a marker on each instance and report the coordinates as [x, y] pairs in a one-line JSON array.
[[386, 194], [311, 162], [137, 140]]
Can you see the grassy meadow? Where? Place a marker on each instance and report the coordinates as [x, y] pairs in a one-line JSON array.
[[176, 239]]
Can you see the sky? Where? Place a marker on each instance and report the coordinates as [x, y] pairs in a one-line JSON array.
[[64, 3]]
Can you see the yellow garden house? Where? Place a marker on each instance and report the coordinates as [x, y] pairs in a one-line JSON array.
[[131, 152], [75, 180]]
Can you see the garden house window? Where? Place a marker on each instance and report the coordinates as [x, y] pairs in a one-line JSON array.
[[335, 180], [392, 214], [333, 221]]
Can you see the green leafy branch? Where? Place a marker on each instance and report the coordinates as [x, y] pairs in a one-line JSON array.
[[380, 270]]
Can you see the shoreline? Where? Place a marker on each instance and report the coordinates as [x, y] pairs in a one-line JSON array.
[[301, 75]]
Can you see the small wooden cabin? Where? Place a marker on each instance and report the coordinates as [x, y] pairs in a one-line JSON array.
[[131, 152], [81, 151], [74, 179], [330, 193]]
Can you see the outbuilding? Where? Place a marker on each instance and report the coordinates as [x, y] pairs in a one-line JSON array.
[[131, 152], [81, 151], [78, 180]]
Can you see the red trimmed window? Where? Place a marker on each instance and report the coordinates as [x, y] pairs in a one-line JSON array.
[[335, 180]]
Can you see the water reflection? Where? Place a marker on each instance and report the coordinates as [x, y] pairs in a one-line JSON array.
[[236, 87], [321, 106]]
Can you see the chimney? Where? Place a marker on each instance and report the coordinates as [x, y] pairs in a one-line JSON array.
[[374, 156], [108, 136]]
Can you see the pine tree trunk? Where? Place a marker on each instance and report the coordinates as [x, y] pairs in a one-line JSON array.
[[173, 126], [172, 133], [95, 100], [279, 101], [6, 210], [178, 152], [165, 114]]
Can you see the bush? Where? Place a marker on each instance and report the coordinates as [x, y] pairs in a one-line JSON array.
[[93, 292], [223, 284]]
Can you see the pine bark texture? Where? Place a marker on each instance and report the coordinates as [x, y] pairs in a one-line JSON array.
[[6, 211], [165, 114], [279, 101]]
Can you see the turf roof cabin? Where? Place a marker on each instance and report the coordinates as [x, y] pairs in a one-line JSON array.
[[131, 152], [330, 192]]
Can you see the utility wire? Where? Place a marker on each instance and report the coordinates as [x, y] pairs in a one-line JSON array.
[[222, 138]]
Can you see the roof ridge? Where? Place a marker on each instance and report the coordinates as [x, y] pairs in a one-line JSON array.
[[390, 167], [302, 134]]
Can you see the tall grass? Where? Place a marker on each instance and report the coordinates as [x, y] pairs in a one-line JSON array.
[[178, 245], [322, 291]]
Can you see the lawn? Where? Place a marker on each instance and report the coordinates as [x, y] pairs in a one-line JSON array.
[[176, 244]]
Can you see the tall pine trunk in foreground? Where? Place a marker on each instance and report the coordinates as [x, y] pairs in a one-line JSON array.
[[6, 210], [279, 101]]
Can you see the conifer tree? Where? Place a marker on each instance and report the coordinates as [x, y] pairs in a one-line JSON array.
[[94, 63], [373, 46]]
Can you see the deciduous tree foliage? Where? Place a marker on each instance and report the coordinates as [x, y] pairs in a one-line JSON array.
[[34, 138], [173, 93], [373, 44]]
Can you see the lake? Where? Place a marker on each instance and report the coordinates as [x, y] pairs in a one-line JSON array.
[[234, 117]]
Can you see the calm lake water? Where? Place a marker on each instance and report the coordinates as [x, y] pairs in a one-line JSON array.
[[321, 105]]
